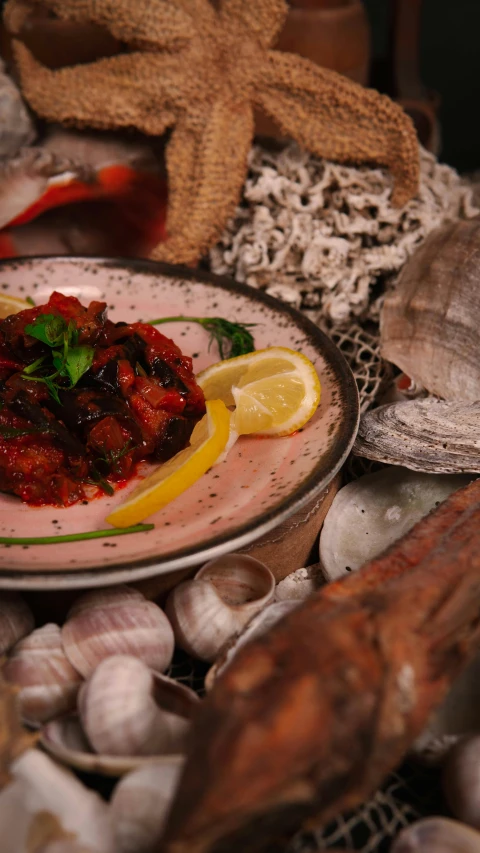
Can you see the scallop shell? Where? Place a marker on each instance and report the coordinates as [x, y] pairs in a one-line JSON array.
[[424, 435], [429, 322], [371, 513]]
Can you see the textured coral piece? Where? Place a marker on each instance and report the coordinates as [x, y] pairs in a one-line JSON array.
[[321, 235], [308, 719], [13, 738], [202, 70]]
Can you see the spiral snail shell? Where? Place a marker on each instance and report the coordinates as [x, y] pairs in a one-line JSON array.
[[224, 595], [116, 621], [48, 682], [126, 709]]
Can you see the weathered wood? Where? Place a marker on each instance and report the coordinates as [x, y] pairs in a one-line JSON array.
[[310, 718]]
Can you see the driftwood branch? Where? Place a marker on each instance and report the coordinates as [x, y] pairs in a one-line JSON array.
[[307, 720]]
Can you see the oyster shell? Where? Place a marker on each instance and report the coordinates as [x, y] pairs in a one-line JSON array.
[[371, 513], [429, 323], [425, 435]]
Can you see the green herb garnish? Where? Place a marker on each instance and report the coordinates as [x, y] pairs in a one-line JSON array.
[[16, 432], [74, 537], [232, 338], [31, 301], [68, 360]]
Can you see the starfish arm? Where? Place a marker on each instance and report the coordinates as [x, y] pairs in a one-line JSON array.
[[158, 23], [263, 18], [340, 120], [104, 94], [206, 170]]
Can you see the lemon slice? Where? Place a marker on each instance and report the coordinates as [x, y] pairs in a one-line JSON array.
[[275, 391], [11, 305], [207, 442]]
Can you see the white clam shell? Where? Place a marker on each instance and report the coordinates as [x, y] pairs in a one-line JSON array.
[[224, 595], [43, 793], [48, 682], [16, 620], [428, 435], [437, 835], [126, 709], [300, 584], [371, 513], [258, 625], [140, 805], [117, 621]]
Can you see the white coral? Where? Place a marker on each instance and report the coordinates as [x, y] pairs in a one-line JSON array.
[[328, 232]]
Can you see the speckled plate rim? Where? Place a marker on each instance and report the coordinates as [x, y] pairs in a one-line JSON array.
[[317, 481]]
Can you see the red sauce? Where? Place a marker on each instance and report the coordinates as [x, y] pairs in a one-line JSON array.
[[137, 401]]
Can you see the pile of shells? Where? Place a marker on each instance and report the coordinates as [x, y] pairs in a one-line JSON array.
[[97, 690]]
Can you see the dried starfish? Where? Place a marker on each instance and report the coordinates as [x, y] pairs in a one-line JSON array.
[[201, 71]]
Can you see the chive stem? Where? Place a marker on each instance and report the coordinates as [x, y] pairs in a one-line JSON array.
[[74, 537]]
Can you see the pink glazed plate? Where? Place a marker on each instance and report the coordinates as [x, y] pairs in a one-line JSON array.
[[260, 484]]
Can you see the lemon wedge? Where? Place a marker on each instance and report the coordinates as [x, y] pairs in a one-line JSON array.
[[275, 391], [11, 305], [168, 481]]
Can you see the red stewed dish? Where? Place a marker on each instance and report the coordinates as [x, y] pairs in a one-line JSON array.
[[83, 400]]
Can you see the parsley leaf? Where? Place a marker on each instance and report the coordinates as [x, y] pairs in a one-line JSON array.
[[78, 361], [232, 339], [47, 328], [68, 360]]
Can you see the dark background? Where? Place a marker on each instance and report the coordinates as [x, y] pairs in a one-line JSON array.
[[450, 64]]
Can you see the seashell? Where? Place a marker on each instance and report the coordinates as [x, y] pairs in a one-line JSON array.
[[429, 322], [46, 804], [117, 621], [371, 513], [140, 804], [224, 595], [66, 741], [260, 624], [17, 127], [461, 780], [126, 709], [425, 435], [48, 682], [437, 835], [456, 718], [16, 620], [300, 584]]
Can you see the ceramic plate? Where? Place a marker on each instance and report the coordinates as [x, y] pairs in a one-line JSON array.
[[262, 481]]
